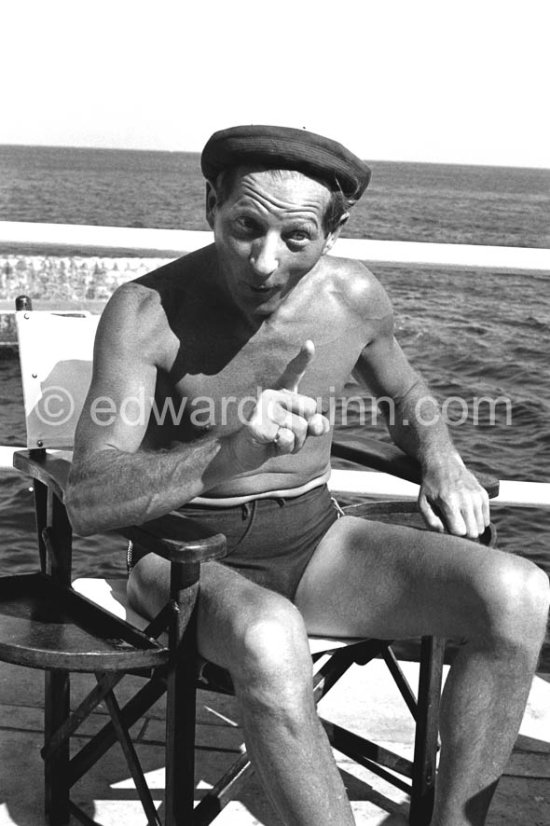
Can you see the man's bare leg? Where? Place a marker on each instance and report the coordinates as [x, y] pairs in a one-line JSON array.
[[260, 638], [376, 580]]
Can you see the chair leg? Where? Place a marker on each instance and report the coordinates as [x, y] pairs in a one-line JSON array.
[[41, 510], [56, 712], [426, 741], [181, 699], [132, 760], [52, 517], [180, 745]]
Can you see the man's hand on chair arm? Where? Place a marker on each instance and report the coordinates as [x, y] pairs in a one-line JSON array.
[[450, 496]]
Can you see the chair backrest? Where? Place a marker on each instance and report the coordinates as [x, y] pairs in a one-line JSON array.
[[55, 352]]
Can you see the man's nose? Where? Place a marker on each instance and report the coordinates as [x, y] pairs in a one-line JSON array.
[[265, 255]]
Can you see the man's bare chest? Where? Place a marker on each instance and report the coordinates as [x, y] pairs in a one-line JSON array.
[[216, 384]]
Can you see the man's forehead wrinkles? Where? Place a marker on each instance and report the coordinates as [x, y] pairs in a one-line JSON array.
[[254, 195], [265, 205]]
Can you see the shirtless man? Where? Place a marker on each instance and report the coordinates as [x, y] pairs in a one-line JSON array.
[[264, 317]]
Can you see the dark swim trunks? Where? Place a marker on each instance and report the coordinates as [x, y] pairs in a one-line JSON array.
[[269, 541]]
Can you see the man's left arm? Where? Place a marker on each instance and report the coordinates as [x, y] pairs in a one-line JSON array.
[[450, 495]]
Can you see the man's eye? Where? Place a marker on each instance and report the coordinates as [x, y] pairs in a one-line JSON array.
[[299, 236], [246, 224]]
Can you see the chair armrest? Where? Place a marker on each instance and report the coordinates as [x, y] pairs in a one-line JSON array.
[[193, 544], [50, 469], [388, 458], [380, 456]]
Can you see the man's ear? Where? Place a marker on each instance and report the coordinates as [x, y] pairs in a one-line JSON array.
[[211, 203], [332, 237]]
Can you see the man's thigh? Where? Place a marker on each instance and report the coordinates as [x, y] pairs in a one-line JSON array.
[[373, 579], [228, 606]]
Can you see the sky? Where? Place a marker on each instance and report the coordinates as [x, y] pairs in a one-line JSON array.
[[410, 80]]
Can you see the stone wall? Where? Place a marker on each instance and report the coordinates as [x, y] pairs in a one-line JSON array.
[[57, 278], [62, 281]]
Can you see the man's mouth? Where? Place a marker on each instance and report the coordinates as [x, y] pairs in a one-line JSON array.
[[264, 288]]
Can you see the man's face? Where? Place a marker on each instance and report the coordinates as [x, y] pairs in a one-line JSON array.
[[269, 234]]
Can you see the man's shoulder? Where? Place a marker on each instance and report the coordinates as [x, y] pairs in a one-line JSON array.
[[129, 303], [133, 322], [358, 286]]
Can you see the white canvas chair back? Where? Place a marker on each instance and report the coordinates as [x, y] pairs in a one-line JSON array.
[[55, 352], [56, 355]]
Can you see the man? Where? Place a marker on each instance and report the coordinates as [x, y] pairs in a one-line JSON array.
[[264, 326]]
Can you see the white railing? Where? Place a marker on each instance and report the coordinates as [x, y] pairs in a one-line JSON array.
[[176, 242]]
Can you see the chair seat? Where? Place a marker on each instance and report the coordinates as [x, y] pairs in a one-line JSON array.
[[44, 625], [111, 595]]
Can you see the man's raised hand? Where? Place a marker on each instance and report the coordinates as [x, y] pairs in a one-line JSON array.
[[301, 418], [296, 368], [283, 418]]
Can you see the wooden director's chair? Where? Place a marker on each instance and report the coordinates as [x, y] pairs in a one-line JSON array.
[[48, 624]]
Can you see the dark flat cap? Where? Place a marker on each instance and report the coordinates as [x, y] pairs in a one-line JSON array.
[[282, 147]]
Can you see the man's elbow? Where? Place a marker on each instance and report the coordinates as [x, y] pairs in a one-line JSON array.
[[80, 513]]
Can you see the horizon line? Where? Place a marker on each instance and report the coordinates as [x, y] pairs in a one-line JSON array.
[[198, 152]]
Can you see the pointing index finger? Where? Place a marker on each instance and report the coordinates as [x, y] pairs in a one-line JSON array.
[[296, 368]]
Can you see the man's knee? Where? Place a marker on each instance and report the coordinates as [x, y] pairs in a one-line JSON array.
[[515, 596], [271, 663], [148, 585]]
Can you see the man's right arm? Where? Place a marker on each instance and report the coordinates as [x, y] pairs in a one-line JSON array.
[[114, 481]]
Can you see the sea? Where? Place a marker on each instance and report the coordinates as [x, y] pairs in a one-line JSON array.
[[481, 338]]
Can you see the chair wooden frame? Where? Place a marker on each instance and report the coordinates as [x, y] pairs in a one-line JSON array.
[[113, 648]]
